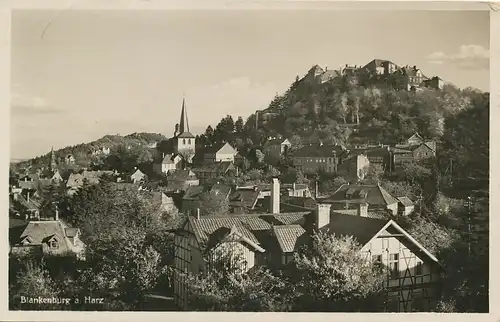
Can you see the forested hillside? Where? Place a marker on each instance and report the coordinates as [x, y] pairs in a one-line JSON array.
[[138, 146]]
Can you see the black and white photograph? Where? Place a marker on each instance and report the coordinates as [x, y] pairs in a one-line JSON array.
[[237, 160]]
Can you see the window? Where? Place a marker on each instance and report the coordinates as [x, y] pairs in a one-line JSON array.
[[54, 244], [183, 141], [418, 268], [189, 141], [394, 265], [377, 259]]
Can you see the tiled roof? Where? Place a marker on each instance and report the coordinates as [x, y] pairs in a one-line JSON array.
[[354, 193], [288, 235], [317, 150], [40, 232], [247, 224], [221, 189], [243, 198], [363, 229]]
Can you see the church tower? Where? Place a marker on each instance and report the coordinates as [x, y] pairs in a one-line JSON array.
[[53, 164], [184, 141]]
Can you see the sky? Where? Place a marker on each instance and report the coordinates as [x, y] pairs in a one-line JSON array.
[[79, 75]]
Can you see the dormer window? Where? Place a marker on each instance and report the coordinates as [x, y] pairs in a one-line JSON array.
[[54, 244]]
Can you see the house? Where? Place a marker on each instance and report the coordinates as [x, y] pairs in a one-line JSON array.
[[76, 180], [380, 67], [271, 239], [400, 157], [373, 200], [243, 200], [53, 237], [405, 206], [318, 157], [69, 159], [354, 168], [415, 139], [28, 182], [435, 82], [413, 77], [137, 176], [277, 147], [169, 162], [221, 152], [26, 206], [424, 151], [379, 155], [211, 171], [181, 180]]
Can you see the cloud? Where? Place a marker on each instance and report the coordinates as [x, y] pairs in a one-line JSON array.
[[31, 104], [468, 57]]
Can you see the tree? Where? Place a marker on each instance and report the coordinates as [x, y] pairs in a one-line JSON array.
[[259, 156], [239, 125], [32, 281], [225, 285], [331, 274], [213, 202]]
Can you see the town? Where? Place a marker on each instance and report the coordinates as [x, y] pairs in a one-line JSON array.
[[362, 189]]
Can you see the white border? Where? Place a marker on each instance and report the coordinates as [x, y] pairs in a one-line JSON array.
[[6, 6]]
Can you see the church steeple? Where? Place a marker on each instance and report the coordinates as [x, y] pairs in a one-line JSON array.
[[53, 164], [183, 125]]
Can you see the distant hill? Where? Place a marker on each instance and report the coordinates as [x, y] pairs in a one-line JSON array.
[[83, 153]]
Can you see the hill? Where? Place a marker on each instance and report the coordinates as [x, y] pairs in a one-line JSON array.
[[368, 109], [140, 145]]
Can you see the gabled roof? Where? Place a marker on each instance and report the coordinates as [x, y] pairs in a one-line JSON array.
[[222, 147], [244, 198], [405, 201], [363, 229], [288, 236], [137, 173], [186, 135], [40, 232], [225, 234], [357, 193], [248, 224]]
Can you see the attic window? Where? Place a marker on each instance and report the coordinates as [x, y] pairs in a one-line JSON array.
[[54, 244], [363, 193]]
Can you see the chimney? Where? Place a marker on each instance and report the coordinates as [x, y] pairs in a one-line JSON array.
[[275, 196], [28, 196], [57, 213], [316, 189], [293, 187], [363, 209], [198, 213], [322, 215]]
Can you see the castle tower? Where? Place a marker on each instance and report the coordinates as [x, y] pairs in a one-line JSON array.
[[184, 141]]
